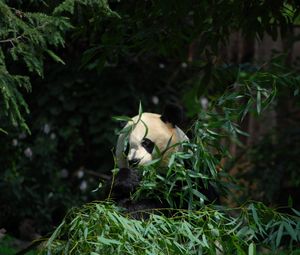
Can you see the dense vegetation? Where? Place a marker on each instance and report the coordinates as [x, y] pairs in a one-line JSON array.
[[85, 60], [101, 228]]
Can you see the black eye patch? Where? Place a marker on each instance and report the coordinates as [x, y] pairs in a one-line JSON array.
[[148, 145]]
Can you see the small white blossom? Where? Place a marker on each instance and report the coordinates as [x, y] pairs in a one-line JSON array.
[[2, 233], [204, 102], [46, 129], [80, 173], [155, 100], [184, 65], [64, 173], [83, 186], [15, 142], [28, 152], [161, 66], [52, 136]]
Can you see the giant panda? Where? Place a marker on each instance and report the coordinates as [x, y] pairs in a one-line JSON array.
[[145, 137]]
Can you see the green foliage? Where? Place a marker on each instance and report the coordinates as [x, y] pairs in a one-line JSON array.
[[71, 130], [198, 166], [12, 98], [100, 7], [42, 167], [6, 244], [27, 37], [165, 29], [249, 85], [276, 154], [99, 228], [150, 29]]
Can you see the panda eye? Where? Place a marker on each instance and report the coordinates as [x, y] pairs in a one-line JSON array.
[[148, 145]]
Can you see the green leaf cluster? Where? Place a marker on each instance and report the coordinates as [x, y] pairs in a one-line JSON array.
[[101, 228], [26, 39]]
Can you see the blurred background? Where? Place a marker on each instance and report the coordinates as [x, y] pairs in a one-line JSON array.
[[67, 67]]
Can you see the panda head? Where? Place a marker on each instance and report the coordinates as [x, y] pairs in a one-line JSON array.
[[148, 136]]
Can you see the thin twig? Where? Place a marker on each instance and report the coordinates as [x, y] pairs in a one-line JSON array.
[[100, 175], [10, 40]]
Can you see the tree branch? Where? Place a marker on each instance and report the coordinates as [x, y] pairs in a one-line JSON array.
[[10, 40]]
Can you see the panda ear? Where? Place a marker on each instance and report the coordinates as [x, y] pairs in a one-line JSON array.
[[173, 114]]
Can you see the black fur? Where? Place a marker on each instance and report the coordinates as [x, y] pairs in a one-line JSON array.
[[173, 114], [141, 209], [126, 182], [148, 145]]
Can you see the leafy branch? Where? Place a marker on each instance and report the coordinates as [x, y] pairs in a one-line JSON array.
[[99, 228], [10, 40], [27, 37]]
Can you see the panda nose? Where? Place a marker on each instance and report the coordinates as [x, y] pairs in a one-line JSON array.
[[134, 162]]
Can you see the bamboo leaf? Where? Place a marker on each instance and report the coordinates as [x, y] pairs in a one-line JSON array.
[[140, 109], [121, 118], [252, 249], [3, 131], [258, 101], [107, 241], [290, 230], [279, 235], [296, 212], [85, 234], [55, 57]]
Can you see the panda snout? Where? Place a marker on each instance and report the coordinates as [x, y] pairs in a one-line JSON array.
[[134, 162]]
